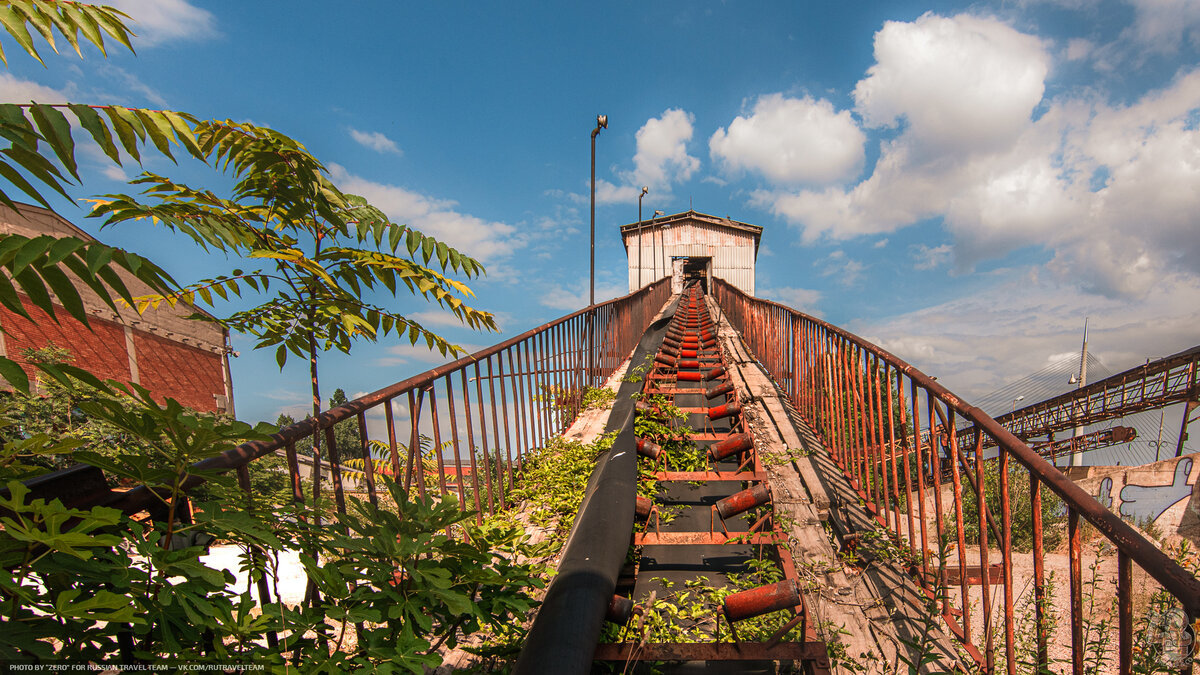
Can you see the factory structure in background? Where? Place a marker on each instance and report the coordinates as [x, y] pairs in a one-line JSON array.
[[691, 245]]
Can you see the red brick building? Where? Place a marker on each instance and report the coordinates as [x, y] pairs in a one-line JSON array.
[[160, 349]]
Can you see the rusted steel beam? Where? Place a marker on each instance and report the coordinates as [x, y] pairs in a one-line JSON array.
[[814, 652], [709, 475], [703, 538], [1153, 385]]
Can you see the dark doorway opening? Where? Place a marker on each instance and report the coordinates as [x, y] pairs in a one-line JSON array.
[[696, 269]]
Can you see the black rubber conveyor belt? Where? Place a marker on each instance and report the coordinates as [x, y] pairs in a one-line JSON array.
[[562, 640]]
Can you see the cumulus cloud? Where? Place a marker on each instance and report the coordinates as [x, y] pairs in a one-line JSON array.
[[662, 157], [1107, 190], [790, 140], [661, 160], [159, 22], [373, 140], [960, 83], [474, 236]]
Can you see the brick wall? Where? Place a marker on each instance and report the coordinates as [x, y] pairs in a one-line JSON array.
[[101, 351], [191, 375], [187, 374]]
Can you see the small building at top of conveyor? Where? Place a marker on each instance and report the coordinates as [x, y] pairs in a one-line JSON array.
[[691, 245]]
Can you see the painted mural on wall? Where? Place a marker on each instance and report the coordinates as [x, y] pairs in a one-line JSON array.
[[1163, 494]]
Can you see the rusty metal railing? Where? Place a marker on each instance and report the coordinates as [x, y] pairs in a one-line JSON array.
[[486, 411], [892, 430]]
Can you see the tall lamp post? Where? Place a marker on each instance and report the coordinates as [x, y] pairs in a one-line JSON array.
[[645, 189], [601, 123]]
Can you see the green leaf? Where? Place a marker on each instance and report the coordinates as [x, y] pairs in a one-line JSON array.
[[56, 130], [123, 122], [15, 25], [90, 120], [14, 375]]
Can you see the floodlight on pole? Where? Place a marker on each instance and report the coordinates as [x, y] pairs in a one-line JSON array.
[[601, 123], [1019, 398]]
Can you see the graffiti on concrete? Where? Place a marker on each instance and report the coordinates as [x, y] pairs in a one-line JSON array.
[[1104, 496], [1145, 503]]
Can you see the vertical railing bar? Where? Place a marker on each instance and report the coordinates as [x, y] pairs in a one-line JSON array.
[[368, 461], [1042, 638], [1006, 551], [466, 390], [935, 461], [335, 469], [907, 452], [483, 441], [293, 463], [921, 483], [416, 457], [454, 439], [534, 379], [956, 484], [1124, 614], [882, 463], [981, 506], [1076, 580], [390, 420], [891, 422], [524, 442], [437, 445], [505, 485]]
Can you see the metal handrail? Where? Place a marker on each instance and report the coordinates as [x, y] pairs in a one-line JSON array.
[[564, 343], [852, 391]]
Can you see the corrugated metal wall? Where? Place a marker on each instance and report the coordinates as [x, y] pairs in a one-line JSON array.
[[732, 252]]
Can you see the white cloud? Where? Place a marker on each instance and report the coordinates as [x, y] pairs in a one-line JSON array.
[[576, 297], [661, 161], [163, 21], [373, 140], [926, 258], [404, 353], [1164, 25], [441, 318], [960, 83], [1107, 191], [803, 299], [662, 157], [132, 83], [791, 140], [471, 235], [15, 90], [846, 270], [1029, 320]]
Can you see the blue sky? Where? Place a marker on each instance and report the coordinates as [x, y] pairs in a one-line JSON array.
[[962, 183]]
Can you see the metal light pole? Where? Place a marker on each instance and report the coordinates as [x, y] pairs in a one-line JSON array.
[[645, 189], [601, 123], [1019, 398]]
